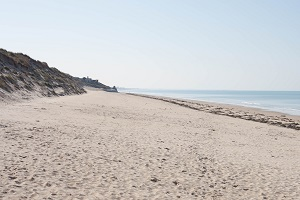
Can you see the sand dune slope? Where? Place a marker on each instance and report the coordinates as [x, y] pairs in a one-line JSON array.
[[116, 146]]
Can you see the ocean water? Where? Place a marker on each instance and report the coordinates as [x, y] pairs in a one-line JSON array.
[[280, 101]]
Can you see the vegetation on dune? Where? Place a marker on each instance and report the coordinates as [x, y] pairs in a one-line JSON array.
[[19, 72]]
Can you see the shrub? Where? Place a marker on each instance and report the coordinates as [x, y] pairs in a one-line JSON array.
[[11, 79], [4, 85]]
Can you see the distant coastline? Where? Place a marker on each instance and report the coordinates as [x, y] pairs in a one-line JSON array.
[[286, 102], [240, 112]]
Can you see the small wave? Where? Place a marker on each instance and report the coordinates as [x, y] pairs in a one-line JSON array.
[[295, 109], [250, 103]]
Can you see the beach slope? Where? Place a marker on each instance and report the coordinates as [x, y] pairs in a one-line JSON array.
[[103, 145]]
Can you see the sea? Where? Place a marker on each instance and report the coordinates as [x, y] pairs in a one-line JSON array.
[[279, 101]]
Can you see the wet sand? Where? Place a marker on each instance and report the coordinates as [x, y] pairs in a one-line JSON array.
[[247, 113]]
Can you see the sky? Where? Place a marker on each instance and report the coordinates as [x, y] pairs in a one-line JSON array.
[[161, 44]]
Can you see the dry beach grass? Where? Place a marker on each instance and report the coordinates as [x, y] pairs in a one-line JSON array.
[[116, 146]]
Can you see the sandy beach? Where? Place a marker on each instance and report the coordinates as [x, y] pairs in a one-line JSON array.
[[103, 145]]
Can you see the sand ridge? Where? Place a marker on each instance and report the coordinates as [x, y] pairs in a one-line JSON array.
[[253, 114], [116, 146]]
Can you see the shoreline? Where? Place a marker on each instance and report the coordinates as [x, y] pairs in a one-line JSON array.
[[273, 101], [102, 145], [235, 111]]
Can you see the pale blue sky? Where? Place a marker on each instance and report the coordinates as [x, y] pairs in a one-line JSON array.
[[236, 45]]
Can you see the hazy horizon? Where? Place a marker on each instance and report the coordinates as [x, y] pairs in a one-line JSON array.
[[195, 45], [187, 89]]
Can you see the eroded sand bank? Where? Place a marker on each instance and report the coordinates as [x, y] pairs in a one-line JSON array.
[[116, 146]]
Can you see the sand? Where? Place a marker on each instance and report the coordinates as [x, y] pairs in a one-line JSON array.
[[247, 113], [116, 146]]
